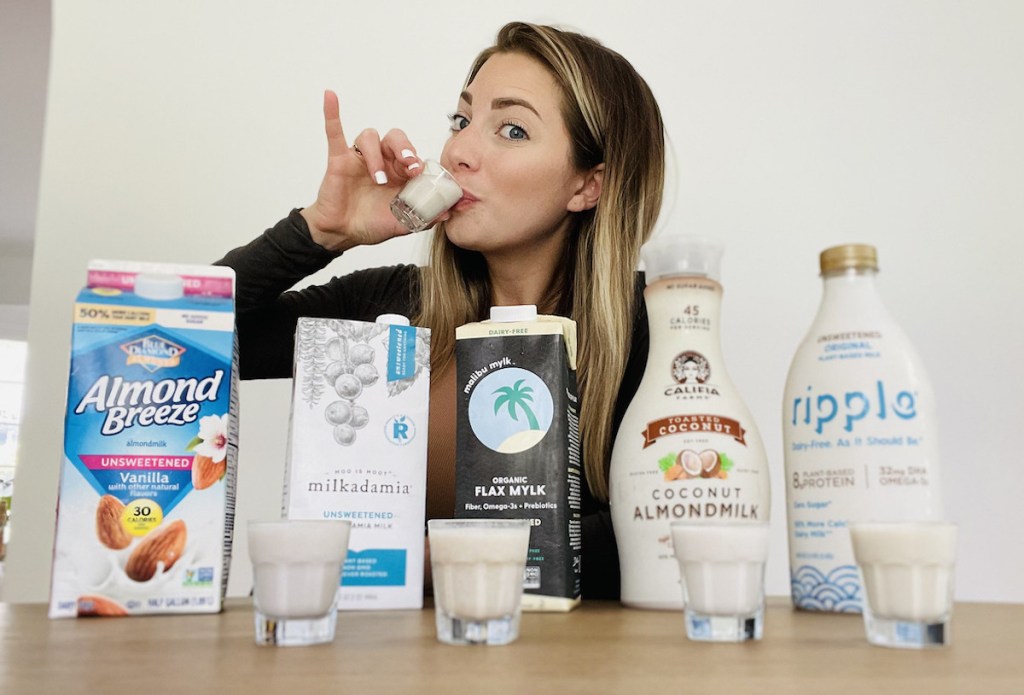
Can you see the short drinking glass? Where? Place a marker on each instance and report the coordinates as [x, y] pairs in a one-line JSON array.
[[477, 567], [907, 573], [722, 571], [425, 197], [296, 568]]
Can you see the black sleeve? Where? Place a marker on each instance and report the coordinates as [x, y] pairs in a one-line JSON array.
[[267, 267], [600, 553]]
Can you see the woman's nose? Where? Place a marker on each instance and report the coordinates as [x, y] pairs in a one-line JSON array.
[[462, 151]]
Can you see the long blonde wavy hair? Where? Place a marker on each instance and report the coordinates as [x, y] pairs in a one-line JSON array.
[[612, 117]]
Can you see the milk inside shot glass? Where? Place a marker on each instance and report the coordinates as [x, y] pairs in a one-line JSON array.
[[478, 567], [907, 573], [296, 569], [722, 571], [425, 197]]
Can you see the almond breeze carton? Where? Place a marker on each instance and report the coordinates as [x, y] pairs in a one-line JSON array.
[[147, 485], [518, 446], [358, 450]]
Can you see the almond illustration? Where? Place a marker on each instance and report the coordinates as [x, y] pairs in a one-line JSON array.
[[674, 472], [205, 472], [99, 606], [163, 546], [108, 523]]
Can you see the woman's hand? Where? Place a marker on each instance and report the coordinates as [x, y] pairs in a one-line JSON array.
[[352, 206]]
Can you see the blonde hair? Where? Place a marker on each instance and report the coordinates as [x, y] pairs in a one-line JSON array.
[[612, 118]]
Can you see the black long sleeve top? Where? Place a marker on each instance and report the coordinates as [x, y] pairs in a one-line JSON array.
[[267, 311]]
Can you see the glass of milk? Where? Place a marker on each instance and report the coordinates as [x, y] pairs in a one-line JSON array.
[[425, 197], [907, 573], [296, 569], [721, 566], [477, 567]]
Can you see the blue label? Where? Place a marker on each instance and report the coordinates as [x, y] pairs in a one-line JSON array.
[[374, 567], [401, 353], [136, 403]]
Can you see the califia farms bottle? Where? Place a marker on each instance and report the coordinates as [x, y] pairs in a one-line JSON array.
[[858, 432], [687, 447]]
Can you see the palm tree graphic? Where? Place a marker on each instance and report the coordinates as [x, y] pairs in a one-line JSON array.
[[516, 397]]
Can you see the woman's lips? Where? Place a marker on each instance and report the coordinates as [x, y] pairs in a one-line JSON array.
[[465, 201]]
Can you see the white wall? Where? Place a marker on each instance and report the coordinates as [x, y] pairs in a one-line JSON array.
[[176, 131]]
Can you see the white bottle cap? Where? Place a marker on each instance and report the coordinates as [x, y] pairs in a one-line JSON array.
[[679, 255], [159, 287], [510, 314], [393, 319]]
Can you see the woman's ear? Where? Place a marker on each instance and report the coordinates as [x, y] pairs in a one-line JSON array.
[[589, 191]]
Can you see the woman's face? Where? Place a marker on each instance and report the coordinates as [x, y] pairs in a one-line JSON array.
[[511, 153]]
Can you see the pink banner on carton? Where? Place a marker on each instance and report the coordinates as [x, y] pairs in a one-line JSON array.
[[104, 462], [195, 285]]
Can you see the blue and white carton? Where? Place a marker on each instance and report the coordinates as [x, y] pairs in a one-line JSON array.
[[358, 450], [147, 486]]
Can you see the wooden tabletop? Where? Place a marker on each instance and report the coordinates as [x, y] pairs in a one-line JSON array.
[[600, 648]]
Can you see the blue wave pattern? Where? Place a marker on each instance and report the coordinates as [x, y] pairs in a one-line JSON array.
[[838, 591]]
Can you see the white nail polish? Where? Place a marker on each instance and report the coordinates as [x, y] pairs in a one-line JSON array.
[[380, 177], [408, 153], [414, 165]]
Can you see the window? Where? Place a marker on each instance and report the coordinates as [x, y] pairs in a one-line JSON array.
[[12, 383]]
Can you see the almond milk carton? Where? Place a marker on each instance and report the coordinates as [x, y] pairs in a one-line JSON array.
[[147, 486], [358, 450]]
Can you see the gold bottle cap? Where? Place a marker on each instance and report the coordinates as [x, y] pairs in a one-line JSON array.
[[847, 257]]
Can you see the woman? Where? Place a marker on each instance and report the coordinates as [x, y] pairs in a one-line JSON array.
[[558, 145]]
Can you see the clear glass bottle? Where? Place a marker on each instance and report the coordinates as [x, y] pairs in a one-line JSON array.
[[858, 432], [687, 447]]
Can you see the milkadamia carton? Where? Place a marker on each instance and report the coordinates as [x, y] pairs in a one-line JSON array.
[[147, 487], [518, 445], [358, 450]]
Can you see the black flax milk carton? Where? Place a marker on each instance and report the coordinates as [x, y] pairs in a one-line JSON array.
[[518, 446]]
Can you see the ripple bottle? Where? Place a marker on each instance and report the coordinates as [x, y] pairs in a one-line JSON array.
[[687, 447], [858, 431]]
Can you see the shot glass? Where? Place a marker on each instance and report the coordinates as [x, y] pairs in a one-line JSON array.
[[425, 197], [906, 570], [296, 568], [722, 572], [478, 567]]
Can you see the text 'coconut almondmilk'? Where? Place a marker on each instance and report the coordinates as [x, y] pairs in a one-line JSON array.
[[358, 450], [147, 489], [859, 432], [518, 446]]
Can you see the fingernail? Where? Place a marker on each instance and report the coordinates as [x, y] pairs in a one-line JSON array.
[[406, 154], [380, 177], [414, 165]]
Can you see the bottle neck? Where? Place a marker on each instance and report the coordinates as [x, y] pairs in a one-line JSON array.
[[852, 292]]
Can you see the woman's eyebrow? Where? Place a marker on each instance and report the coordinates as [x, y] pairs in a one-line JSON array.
[[506, 102], [502, 103]]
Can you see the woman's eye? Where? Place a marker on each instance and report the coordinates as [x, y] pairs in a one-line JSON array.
[[511, 131], [457, 122]]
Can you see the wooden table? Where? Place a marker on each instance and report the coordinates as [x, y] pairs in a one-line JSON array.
[[600, 648]]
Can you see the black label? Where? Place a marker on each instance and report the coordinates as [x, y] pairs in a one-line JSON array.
[[517, 449]]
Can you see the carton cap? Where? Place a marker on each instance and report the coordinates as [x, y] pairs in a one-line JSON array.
[[392, 319], [510, 314], [681, 255], [159, 287]]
